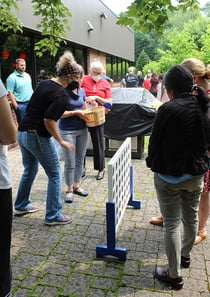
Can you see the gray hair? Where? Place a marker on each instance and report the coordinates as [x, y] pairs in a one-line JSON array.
[[96, 64]]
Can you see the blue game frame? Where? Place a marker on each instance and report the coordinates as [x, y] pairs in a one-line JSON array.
[[110, 249]]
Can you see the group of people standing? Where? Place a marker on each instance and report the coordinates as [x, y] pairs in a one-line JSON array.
[[132, 80], [61, 99], [54, 111], [152, 81]]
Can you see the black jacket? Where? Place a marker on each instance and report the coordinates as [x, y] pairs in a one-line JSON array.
[[180, 138]]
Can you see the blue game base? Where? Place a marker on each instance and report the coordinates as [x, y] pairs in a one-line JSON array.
[[135, 203], [103, 250]]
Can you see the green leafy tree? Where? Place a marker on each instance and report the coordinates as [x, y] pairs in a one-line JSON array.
[[181, 46], [185, 44], [147, 15], [206, 45], [8, 21], [142, 60], [54, 20], [206, 9], [147, 42], [154, 45], [153, 66], [178, 19]]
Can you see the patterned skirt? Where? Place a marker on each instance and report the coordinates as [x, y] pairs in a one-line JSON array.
[[206, 186]]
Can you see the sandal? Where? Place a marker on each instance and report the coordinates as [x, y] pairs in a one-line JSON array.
[[157, 221], [100, 175], [200, 237], [69, 199], [80, 192]]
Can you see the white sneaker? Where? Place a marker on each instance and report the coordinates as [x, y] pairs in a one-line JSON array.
[[19, 212]]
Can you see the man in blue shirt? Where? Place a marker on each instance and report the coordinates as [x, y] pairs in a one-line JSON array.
[[19, 88]]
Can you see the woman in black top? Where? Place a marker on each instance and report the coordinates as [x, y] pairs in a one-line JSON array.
[[47, 104], [178, 155]]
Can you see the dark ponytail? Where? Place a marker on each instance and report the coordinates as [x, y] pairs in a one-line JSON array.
[[202, 98]]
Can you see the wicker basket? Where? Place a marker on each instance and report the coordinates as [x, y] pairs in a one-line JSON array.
[[94, 116]]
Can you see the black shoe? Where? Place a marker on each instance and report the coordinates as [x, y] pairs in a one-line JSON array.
[[163, 275], [83, 172], [185, 262], [81, 192], [100, 175]]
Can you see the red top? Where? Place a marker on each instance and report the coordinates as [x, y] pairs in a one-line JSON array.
[[92, 88], [146, 84]]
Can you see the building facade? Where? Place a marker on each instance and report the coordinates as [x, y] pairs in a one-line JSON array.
[[94, 34]]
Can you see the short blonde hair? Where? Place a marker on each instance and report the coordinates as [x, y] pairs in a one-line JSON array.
[[19, 60]]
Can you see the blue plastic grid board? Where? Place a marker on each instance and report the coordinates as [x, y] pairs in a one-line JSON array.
[[119, 179]]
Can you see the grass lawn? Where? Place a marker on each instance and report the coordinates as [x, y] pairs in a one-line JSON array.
[[146, 143]]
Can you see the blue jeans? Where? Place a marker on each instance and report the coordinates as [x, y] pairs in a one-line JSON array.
[[179, 202], [35, 150], [74, 160], [21, 111]]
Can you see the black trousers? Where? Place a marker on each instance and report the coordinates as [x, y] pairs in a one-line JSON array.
[[97, 137], [5, 242]]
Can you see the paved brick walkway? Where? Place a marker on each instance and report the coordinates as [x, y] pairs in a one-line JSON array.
[[61, 260]]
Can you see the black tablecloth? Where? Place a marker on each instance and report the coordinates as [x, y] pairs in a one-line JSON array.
[[131, 114]]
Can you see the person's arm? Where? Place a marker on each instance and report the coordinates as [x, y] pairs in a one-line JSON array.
[[107, 98], [8, 128], [101, 100], [67, 114], [156, 138], [71, 113], [13, 100], [53, 130], [97, 99], [10, 88]]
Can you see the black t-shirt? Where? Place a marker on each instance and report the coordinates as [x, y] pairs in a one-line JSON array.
[[47, 102], [140, 81]]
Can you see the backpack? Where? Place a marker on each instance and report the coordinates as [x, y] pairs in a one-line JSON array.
[[131, 80]]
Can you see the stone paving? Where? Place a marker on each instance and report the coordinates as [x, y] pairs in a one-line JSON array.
[[60, 261]]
